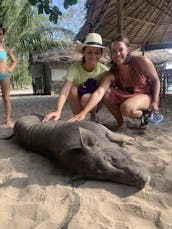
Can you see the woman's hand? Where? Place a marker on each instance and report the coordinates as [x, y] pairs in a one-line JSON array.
[[79, 117], [54, 115]]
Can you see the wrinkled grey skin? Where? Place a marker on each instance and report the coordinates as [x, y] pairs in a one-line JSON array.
[[85, 148]]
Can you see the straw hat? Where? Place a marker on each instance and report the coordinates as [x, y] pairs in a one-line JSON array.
[[91, 40]]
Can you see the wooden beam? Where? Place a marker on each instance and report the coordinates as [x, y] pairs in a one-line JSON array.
[[139, 20], [119, 16]]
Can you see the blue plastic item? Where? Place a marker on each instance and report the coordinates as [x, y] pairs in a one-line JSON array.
[[156, 118], [149, 116]]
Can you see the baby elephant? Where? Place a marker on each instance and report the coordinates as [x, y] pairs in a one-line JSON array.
[[85, 149]]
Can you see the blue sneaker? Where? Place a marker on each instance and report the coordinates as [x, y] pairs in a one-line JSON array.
[[156, 118]]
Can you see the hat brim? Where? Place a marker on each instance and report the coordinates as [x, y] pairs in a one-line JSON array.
[[79, 47]]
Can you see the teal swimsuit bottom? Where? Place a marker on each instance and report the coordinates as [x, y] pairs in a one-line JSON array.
[[3, 76]]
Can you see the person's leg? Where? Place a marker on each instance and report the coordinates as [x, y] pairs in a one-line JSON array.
[[134, 106], [84, 100], [74, 101], [5, 87], [114, 109]]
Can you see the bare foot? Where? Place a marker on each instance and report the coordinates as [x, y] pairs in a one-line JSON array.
[[10, 124], [7, 125]]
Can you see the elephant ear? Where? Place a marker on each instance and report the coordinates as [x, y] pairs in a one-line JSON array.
[[88, 139]]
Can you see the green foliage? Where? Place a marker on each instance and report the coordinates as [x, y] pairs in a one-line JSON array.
[[53, 12], [68, 3], [21, 77]]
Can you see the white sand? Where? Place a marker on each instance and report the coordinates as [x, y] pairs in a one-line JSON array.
[[35, 194]]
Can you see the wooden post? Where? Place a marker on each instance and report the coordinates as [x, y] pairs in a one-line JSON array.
[[119, 16], [143, 49]]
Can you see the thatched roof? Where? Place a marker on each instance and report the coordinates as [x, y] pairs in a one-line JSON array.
[[145, 22], [157, 56], [69, 55], [59, 55]]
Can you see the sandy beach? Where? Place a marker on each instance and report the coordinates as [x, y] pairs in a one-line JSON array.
[[35, 194]]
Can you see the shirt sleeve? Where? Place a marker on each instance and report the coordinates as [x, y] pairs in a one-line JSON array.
[[71, 73]]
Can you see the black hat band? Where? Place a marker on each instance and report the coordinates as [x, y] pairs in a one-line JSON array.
[[93, 43]]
